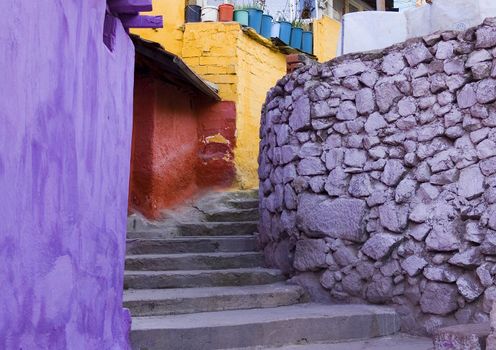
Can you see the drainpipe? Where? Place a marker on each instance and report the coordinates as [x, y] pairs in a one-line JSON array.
[[381, 5]]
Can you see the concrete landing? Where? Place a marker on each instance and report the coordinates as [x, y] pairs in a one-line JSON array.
[[397, 342], [271, 327]]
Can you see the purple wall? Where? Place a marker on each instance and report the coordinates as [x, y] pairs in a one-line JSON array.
[[65, 132]]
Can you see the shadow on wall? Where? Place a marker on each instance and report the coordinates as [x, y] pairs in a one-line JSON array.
[[378, 178]]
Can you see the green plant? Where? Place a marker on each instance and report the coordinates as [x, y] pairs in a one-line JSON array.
[[282, 19], [241, 6], [255, 4], [297, 23]]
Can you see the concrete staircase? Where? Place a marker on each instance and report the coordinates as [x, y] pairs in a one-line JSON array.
[[205, 287]]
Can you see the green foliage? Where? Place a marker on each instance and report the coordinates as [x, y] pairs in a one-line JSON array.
[[305, 25], [297, 23], [254, 4], [241, 5]]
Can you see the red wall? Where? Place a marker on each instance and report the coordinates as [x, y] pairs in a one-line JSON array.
[[172, 158]]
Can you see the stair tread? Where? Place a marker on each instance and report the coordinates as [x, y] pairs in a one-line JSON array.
[[185, 293], [221, 223], [199, 272], [395, 342], [251, 316], [187, 255], [191, 238]]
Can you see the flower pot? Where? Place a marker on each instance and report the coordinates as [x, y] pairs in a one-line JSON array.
[[285, 32], [296, 34], [255, 19], [226, 12], [307, 42], [276, 30], [209, 14], [266, 27], [192, 13], [241, 16]]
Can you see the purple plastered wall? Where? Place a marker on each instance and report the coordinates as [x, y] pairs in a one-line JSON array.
[[65, 133]]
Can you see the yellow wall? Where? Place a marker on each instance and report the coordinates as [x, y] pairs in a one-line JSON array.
[[171, 35], [210, 50], [243, 66], [244, 70], [258, 70], [325, 38]]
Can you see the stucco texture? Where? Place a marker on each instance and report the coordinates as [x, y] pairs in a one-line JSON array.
[[66, 118], [325, 38], [182, 145], [171, 35]]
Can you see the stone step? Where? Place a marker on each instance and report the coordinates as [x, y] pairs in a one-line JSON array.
[[243, 204], [395, 342], [462, 336], [200, 278], [232, 215], [241, 195], [269, 327], [218, 228], [194, 261], [151, 302], [200, 229], [191, 245]]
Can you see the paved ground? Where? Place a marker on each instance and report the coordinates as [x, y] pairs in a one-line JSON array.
[[398, 342]]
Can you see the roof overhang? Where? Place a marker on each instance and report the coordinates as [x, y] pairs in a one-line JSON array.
[[173, 66]]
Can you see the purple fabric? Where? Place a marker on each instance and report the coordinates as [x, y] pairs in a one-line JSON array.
[[65, 134]]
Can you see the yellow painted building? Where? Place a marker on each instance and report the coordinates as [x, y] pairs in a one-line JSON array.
[[243, 64]]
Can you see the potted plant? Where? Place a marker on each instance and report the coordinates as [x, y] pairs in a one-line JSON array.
[[226, 12], [296, 34], [241, 14], [266, 27], [255, 11], [284, 30]]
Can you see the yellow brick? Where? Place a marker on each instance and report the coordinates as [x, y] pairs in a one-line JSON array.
[[192, 61], [214, 60], [191, 51]]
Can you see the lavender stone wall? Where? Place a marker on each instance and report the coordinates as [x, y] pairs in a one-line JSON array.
[[65, 131], [378, 178]]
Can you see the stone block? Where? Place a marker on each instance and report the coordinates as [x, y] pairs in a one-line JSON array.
[[339, 218]]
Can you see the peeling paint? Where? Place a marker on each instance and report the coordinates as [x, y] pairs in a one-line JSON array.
[[217, 138]]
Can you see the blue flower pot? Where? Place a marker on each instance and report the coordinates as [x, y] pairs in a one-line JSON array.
[[255, 19], [285, 32], [266, 29], [241, 16], [296, 36], [276, 30], [307, 42]]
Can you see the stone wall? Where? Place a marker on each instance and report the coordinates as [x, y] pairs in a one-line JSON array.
[[378, 178]]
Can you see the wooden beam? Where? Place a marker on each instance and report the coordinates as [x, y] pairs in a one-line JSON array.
[[137, 21], [130, 6], [381, 5]]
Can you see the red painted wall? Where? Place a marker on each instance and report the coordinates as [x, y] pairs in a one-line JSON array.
[[174, 155]]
